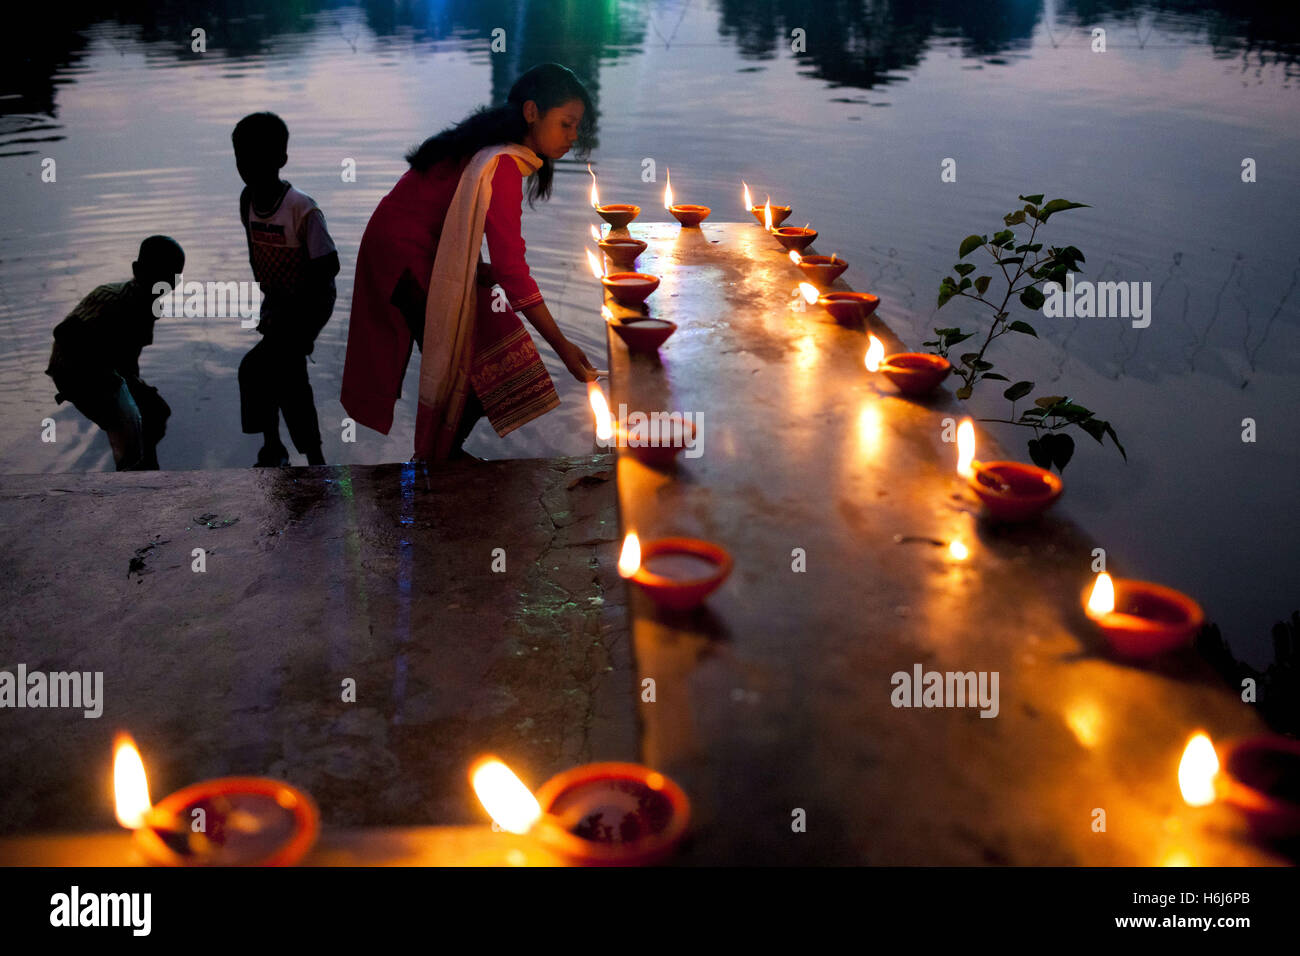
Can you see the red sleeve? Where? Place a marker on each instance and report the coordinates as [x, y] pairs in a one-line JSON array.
[[505, 236]]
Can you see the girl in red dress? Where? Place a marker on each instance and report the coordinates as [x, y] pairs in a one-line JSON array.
[[463, 183]]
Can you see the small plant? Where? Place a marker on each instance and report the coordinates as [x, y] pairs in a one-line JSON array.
[[1023, 276]]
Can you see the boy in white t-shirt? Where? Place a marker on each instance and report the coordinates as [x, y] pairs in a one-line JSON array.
[[294, 262]]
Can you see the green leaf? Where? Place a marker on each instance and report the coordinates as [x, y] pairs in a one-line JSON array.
[[1014, 218], [964, 268], [965, 284], [951, 340], [982, 284], [1115, 438], [946, 331], [968, 357], [1040, 454], [1047, 401], [1059, 205], [1031, 211], [1033, 199], [969, 245], [1061, 448], [1031, 298], [995, 375], [1033, 413], [1094, 427], [981, 366], [1025, 327], [1019, 390], [1072, 411], [946, 292], [963, 392]]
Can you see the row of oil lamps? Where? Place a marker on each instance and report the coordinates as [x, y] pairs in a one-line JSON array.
[[1139, 619], [627, 814]]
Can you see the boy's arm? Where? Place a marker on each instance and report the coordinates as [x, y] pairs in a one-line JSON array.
[[322, 267]]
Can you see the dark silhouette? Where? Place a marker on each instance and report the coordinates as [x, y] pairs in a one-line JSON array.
[[95, 362], [294, 262]]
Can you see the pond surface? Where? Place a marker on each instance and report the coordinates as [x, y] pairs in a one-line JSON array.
[[1152, 133]]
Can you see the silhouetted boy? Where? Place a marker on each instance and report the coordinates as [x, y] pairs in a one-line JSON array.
[[294, 263], [95, 362]]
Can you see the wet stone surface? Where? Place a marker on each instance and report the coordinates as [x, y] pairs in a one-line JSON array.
[[382, 575]]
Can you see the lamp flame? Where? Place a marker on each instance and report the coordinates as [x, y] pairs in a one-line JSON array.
[[595, 196], [668, 188], [1102, 599], [966, 448], [767, 214], [130, 785], [504, 796], [795, 257], [809, 292], [958, 551], [1197, 770], [606, 314], [600, 408], [629, 561], [595, 234], [749, 203], [875, 353], [596, 269]]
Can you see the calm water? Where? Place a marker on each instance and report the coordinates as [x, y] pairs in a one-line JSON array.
[[1152, 133]]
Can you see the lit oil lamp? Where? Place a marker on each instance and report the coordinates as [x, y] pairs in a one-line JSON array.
[[822, 270], [914, 373], [643, 336], [656, 450], [627, 288], [230, 821], [687, 214], [847, 308], [1259, 776], [767, 215], [622, 252], [676, 573], [1010, 490], [602, 814], [1141, 619], [797, 238], [617, 214]]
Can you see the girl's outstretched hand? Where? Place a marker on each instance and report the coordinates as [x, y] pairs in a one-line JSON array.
[[576, 361]]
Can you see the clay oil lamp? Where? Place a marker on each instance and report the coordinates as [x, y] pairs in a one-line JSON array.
[[1259, 776], [914, 373], [653, 445], [601, 814], [1010, 490], [847, 308], [617, 214], [643, 336], [627, 288], [676, 573], [622, 251], [797, 238], [819, 270], [766, 215], [1141, 619], [230, 821], [687, 214]]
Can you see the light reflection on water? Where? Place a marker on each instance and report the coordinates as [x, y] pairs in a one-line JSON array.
[[1151, 133]]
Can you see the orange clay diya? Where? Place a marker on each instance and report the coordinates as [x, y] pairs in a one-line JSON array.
[[630, 288], [1140, 619], [676, 573], [229, 821], [913, 373], [797, 238], [600, 814], [819, 270], [655, 446], [1010, 490], [766, 214], [1261, 778], [643, 336], [622, 252], [688, 214], [847, 308], [618, 214]]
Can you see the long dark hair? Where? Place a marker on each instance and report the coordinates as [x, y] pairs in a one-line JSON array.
[[548, 85]]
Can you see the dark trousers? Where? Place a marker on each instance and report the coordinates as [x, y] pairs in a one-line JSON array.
[[273, 379], [134, 416]]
